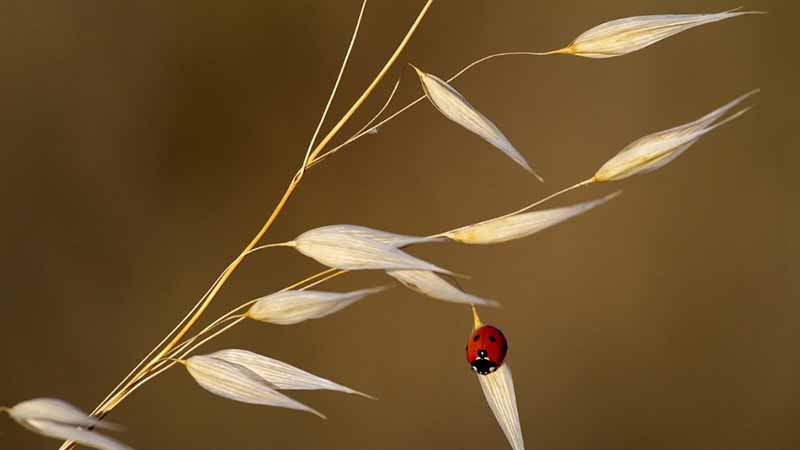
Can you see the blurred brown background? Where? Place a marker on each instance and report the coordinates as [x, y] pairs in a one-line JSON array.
[[143, 143]]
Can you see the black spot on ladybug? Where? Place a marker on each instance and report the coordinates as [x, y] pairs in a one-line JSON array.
[[466, 348], [482, 353], [492, 339], [505, 348], [475, 338]]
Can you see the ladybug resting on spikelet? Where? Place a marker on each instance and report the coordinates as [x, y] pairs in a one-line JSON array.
[[486, 349]]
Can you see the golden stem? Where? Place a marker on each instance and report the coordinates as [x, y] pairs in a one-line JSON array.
[[367, 129], [335, 85], [476, 320], [275, 212], [372, 85]]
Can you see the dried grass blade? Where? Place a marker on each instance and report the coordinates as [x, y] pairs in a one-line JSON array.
[[291, 307], [432, 285], [70, 433], [343, 250], [56, 410], [623, 36], [383, 237], [518, 226], [655, 150], [455, 107], [498, 388], [281, 374], [58, 419], [236, 382]]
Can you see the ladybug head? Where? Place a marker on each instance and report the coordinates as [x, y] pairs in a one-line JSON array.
[[483, 366]]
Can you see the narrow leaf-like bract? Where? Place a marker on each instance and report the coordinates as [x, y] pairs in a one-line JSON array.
[[384, 237], [432, 285], [70, 433], [517, 226], [456, 108], [237, 382], [498, 388], [55, 410], [622, 36], [280, 374], [655, 150], [290, 307], [58, 419], [345, 250]]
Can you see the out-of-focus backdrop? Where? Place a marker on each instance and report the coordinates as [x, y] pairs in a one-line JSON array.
[[143, 143]]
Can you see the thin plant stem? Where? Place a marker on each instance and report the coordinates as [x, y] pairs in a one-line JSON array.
[[157, 367], [476, 320], [523, 209], [469, 66], [374, 83], [366, 129], [174, 360], [180, 351], [168, 361], [295, 181], [383, 108], [335, 85], [194, 347], [326, 274], [278, 208], [185, 318], [265, 246]]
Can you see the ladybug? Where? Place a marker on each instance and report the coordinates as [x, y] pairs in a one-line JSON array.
[[486, 349]]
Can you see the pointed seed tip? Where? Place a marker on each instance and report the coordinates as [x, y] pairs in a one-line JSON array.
[[362, 394]]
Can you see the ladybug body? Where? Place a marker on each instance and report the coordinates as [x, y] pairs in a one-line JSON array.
[[486, 349]]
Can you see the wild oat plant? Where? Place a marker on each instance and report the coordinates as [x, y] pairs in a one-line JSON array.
[[248, 377]]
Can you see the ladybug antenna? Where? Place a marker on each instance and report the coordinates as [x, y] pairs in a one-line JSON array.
[[475, 317]]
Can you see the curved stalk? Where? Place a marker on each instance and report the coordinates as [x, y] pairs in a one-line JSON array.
[[469, 66], [198, 312]]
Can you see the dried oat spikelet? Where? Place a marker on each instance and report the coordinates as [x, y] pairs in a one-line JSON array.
[[623, 36], [518, 226], [280, 374], [498, 388], [455, 107], [58, 419], [384, 237], [291, 307], [432, 285], [655, 150], [237, 382], [341, 247]]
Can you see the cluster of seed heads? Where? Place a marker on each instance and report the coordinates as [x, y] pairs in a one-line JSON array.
[[248, 377]]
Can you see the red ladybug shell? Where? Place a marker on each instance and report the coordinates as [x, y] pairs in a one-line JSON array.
[[486, 349]]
